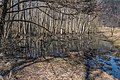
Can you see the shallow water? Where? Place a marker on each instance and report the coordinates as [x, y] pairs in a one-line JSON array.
[[110, 65], [106, 62]]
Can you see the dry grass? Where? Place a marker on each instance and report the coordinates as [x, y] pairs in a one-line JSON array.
[[115, 38], [59, 69]]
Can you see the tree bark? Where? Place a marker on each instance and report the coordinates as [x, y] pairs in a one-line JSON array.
[[2, 20]]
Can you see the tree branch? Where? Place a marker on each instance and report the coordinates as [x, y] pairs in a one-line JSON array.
[[28, 22]]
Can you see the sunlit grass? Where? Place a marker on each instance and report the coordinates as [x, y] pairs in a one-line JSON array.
[[115, 38]]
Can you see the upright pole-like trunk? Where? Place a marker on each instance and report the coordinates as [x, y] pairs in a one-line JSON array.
[[2, 21], [1, 25]]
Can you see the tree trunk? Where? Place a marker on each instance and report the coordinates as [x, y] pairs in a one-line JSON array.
[[2, 20], [1, 26]]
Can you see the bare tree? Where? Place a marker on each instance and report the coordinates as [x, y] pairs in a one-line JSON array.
[[35, 27]]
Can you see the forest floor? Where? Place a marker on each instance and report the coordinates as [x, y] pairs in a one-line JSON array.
[[68, 68]]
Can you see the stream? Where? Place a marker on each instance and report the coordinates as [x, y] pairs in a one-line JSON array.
[[108, 63], [105, 61]]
